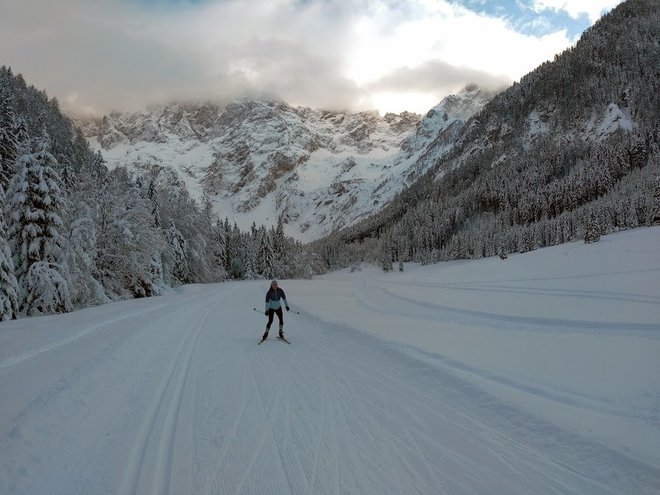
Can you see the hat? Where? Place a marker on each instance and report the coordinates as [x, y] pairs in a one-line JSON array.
[[274, 282]]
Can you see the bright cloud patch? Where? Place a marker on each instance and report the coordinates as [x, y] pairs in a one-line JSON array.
[[354, 54]]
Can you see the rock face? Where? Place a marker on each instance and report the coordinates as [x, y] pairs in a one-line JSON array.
[[259, 158]]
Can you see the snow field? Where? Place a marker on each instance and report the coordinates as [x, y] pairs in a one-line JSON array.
[[538, 374]]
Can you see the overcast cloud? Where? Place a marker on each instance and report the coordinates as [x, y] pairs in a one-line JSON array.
[[101, 55]]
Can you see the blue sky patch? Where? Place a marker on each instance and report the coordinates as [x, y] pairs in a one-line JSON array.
[[522, 17], [519, 14]]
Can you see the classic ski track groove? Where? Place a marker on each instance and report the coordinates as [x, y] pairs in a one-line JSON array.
[[134, 472], [265, 432], [496, 286], [237, 421], [496, 320], [322, 432], [66, 456], [20, 358]]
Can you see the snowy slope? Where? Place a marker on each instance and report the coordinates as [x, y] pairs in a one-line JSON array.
[[258, 158], [538, 374]]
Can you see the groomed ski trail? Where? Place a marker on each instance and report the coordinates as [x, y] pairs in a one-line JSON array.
[[181, 400]]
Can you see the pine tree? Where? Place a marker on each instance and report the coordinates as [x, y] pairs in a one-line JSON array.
[[265, 256], [8, 143], [385, 257], [34, 210], [179, 250], [128, 245], [280, 262], [250, 253], [593, 227], [656, 203], [219, 250], [85, 289], [8, 283]]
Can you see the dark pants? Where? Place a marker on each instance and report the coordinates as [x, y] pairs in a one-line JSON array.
[[280, 316]]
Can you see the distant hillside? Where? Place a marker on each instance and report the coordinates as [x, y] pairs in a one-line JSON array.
[[571, 151]]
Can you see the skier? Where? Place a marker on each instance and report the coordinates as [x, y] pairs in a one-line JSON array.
[[274, 298]]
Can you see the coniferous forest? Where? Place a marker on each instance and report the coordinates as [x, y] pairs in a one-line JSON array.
[[75, 234], [570, 152]]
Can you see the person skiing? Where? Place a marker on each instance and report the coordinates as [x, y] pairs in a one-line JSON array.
[[274, 298]]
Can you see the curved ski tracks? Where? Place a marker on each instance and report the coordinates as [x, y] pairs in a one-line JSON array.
[[194, 406]]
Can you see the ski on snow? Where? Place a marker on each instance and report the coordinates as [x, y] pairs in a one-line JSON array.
[[278, 338]]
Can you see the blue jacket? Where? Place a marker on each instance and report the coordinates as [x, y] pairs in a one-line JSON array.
[[274, 298]]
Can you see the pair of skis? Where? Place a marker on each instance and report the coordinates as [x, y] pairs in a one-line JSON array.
[[283, 339]]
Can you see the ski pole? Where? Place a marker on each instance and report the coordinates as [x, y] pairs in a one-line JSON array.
[[292, 311]]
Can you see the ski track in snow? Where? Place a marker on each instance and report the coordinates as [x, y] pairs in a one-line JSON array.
[[504, 321], [18, 358], [176, 397]]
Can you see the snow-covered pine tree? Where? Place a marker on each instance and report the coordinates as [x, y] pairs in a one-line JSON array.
[[235, 249], [179, 252], [656, 203], [127, 241], [8, 144], [265, 255], [385, 256], [249, 254], [226, 233], [218, 251], [280, 261], [212, 232], [8, 283], [21, 136], [34, 210], [85, 289]]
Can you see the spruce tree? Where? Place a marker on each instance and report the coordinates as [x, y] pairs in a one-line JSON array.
[[8, 283], [655, 220], [8, 143], [128, 245], [218, 246], [280, 262], [34, 210], [179, 251], [265, 257]]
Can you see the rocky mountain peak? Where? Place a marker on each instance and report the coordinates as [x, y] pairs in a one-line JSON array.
[[260, 157]]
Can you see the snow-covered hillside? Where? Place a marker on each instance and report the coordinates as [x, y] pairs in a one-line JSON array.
[[258, 158], [536, 374]]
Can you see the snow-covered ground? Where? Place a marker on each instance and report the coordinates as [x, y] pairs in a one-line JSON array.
[[537, 374]]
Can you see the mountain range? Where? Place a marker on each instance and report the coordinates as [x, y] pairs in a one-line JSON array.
[[259, 158]]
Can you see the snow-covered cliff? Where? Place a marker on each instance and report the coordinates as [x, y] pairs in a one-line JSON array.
[[259, 158]]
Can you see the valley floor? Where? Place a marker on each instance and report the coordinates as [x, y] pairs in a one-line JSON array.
[[537, 374]]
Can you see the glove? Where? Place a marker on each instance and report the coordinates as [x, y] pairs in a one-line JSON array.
[[266, 312], [287, 308]]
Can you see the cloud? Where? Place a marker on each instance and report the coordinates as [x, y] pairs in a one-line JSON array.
[[103, 55], [437, 76]]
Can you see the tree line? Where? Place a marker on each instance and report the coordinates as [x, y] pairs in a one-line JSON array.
[[74, 233], [569, 152]]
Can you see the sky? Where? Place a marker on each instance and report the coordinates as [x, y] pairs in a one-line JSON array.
[[98, 56]]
